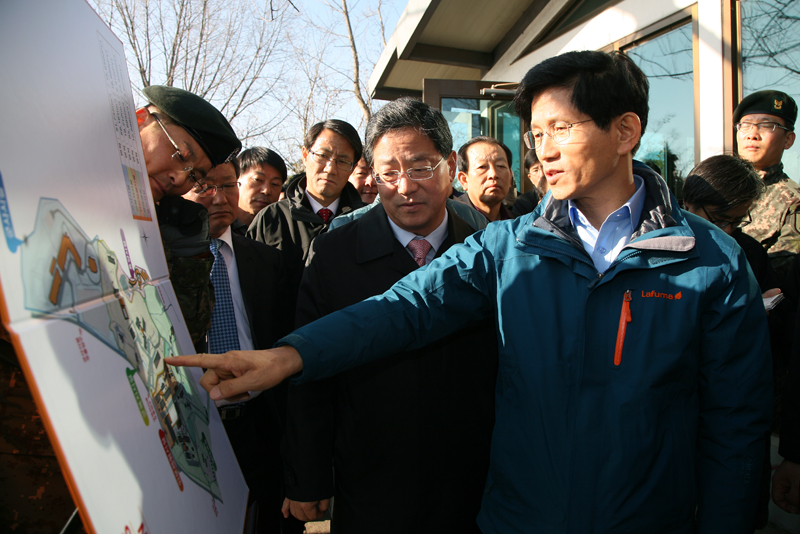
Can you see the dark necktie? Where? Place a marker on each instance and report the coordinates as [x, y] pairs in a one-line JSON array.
[[420, 249], [223, 335], [326, 214]]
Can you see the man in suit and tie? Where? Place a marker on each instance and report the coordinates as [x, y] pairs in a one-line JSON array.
[[249, 313], [406, 439]]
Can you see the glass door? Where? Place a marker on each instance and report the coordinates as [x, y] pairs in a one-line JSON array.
[[469, 113]]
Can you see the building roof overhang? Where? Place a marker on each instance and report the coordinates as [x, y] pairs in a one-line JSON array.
[[461, 40]]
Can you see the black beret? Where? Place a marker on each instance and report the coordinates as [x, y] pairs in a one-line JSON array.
[[200, 119], [770, 102]]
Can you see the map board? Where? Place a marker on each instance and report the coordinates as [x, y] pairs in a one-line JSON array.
[[85, 288]]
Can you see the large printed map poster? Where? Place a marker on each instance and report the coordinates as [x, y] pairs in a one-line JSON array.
[[85, 287]]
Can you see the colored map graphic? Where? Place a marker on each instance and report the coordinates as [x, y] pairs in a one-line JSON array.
[[65, 275]]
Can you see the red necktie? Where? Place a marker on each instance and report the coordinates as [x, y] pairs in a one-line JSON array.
[[420, 248], [326, 214]]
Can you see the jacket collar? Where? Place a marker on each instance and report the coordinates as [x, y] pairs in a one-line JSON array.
[[301, 207], [774, 174], [659, 212]]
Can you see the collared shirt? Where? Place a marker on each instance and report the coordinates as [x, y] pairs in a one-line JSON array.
[[316, 206], [605, 245], [435, 238], [242, 324]]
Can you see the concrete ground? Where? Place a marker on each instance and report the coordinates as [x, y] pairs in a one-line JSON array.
[[324, 527]]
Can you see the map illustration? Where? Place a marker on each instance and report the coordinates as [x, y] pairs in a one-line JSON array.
[[65, 274]]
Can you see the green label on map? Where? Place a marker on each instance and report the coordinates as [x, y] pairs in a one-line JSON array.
[[131, 373]]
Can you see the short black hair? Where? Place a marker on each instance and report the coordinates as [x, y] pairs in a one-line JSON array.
[[345, 129], [530, 160], [604, 86], [237, 169], [259, 155], [723, 181], [409, 112], [463, 161]]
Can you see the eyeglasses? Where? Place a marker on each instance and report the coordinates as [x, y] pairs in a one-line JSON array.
[[558, 132], [763, 127], [535, 169], [417, 174], [209, 190], [178, 155], [722, 224], [341, 164]]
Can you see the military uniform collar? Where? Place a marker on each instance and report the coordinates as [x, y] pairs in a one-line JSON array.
[[774, 174]]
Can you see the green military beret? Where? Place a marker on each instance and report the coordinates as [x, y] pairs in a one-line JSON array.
[[200, 119], [770, 102]]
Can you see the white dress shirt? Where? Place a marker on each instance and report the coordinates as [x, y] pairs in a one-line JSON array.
[[316, 206]]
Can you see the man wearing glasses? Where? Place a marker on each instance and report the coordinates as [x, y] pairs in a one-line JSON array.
[[330, 151], [634, 386], [764, 129], [183, 138], [249, 298], [390, 438]]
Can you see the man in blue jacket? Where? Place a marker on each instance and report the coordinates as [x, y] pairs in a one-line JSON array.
[[634, 388]]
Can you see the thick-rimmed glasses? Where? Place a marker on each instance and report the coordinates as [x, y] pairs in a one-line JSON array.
[[341, 164], [209, 190], [178, 155], [417, 174], [558, 132], [741, 222], [762, 127]]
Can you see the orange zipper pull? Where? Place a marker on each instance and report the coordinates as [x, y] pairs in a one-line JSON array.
[[624, 319]]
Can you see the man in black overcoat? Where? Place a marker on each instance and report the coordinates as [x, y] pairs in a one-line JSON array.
[[402, 444]]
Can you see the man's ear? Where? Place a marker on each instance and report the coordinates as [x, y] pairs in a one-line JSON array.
[[462, 179], [790, 136], [142, 115], [452, 164], [629, 132]]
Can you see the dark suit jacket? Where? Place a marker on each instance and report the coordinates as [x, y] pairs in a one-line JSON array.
[[256, 436], [262, 279], [408, 436]]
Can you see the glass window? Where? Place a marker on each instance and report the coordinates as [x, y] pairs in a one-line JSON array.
[[771, 56], [668, 142], [469, 117]]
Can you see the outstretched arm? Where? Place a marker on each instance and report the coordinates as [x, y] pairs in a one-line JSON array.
[[233, 374]]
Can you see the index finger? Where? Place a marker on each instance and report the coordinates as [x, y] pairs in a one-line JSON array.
[[207, 361]]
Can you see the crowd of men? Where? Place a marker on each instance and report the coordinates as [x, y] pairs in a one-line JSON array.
[[589, 359]]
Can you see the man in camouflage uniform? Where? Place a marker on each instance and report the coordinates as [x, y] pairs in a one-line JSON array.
[[183, 137], [765, 128]]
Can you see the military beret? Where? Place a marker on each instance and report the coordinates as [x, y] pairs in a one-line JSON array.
[[770, 102], [200, 119]]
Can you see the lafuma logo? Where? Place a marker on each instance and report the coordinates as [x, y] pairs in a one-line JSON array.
[[656, 294]]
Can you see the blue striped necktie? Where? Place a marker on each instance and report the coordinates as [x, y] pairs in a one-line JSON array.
[[223, 335]]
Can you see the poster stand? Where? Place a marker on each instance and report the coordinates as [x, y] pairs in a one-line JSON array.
[[85, 292]]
